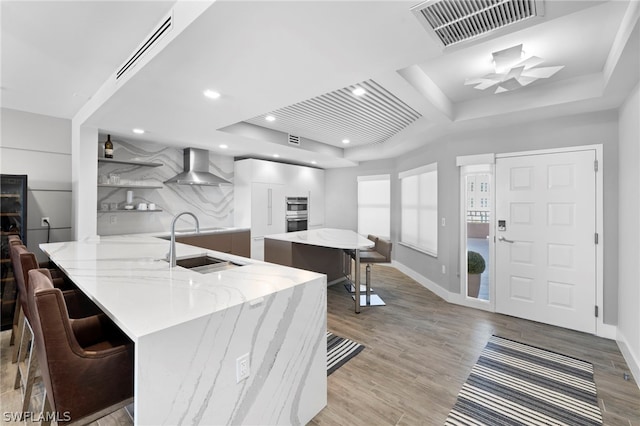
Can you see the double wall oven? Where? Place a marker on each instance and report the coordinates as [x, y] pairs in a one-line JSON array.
[[297, 213]]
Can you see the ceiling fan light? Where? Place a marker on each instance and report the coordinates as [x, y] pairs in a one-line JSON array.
[[513, 71]]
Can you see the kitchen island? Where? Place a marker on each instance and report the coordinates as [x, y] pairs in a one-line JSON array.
[[190, 328], [325, 250]]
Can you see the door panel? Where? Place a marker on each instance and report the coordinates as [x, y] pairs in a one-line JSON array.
[[546, 256]]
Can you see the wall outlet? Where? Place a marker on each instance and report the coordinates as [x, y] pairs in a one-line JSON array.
[[444, 269], [44, 220], [243, 369], [444, 223], [113, 219]]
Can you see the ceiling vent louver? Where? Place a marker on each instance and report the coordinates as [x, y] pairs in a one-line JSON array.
[[156, 35], [454, 21], [294, 140], [371, 118]]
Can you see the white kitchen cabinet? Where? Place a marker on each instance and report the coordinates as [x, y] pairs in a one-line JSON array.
[[260, 191], [267, 214]]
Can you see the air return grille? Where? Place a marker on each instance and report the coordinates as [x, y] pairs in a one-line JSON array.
[[164, 27], [335, 116], [457, 20], [294, 140]]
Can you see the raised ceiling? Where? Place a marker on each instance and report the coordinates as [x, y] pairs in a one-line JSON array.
[[343, 117], [264, 57]]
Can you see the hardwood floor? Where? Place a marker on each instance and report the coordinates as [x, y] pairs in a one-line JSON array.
[[419, 351]]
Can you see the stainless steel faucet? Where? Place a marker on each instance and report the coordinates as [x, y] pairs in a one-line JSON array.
[[172, 247]]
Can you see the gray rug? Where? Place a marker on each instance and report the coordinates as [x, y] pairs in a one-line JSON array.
[[517, 384], [339, 351]]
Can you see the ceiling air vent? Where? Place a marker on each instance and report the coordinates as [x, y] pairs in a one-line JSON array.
[[454, 21], [294, 140], [164, 27]]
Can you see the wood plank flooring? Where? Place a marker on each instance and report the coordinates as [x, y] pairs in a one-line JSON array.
[[419, 351]]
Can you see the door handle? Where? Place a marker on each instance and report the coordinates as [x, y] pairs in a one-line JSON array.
[[501, 238]]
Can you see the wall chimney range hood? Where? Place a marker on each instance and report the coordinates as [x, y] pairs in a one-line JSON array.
[[196, 170]]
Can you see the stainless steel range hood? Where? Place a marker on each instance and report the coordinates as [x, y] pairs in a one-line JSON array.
[[196, 170]]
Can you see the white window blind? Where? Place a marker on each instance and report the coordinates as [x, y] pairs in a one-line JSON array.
[[419, 208], [374, 205]]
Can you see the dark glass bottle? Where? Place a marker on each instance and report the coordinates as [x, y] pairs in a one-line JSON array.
[[108, 148]]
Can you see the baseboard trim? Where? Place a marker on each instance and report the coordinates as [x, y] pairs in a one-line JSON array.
[[633, 360], [422, 280], [607, 331]]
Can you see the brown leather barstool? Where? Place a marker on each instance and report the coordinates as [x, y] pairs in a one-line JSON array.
[[86, 364], [23, 262], [381, 253], [11, 240]]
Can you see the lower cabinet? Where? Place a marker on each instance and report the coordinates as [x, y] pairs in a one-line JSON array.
[[237, 243]]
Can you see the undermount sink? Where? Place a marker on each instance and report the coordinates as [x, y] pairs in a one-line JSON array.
[[205, 264]]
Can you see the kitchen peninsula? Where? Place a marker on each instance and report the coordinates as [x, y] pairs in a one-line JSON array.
[[320, 250], [190, 328]]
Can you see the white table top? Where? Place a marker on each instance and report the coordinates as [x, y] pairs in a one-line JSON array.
[[326, 237], [127, 276]]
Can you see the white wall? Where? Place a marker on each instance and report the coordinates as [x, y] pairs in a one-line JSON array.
[[629, 239], [584, 129], [341, 192], [40, 147]]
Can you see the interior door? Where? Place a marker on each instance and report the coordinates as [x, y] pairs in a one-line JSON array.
[[545, 230]]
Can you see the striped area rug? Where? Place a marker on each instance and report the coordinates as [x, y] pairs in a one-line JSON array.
[[339, 351], [517, 384]]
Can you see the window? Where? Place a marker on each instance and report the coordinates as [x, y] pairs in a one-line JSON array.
[[374, 205], [419, 208]]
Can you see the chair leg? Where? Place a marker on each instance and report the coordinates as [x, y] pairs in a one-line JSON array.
[[19, 334], [368, 284], [46, 410], [16, 323], [22, 348], [32, 369]]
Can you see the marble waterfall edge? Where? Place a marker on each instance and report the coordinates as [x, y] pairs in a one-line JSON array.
[[284, 335]]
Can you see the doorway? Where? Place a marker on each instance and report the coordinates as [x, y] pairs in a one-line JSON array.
[[546, 246]]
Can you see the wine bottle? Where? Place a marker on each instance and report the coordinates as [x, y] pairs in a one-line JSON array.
[[108, 148]]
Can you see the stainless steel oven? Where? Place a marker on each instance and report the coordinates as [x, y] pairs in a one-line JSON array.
[[297, 213]]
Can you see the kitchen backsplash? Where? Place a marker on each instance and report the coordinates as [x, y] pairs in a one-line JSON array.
[[212, 205]]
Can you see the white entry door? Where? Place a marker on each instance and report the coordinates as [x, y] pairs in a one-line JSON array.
[[545, 238]]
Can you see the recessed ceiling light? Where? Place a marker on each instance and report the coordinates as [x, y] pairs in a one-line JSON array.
[[212, 94], [270, 118], [314, 162], [345, 141], [138, 131], [223, 146], [358, 91], [276, 155]]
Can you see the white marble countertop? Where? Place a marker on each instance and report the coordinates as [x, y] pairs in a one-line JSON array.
[[326, 237], [129, 279], [191, 231]]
